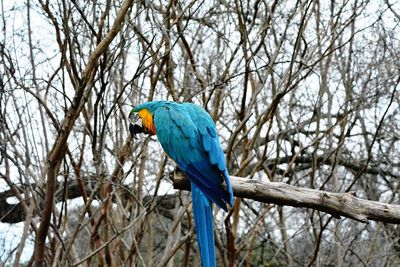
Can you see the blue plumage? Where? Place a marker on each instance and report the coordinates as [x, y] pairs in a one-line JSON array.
[[203, 217], [188, 136]]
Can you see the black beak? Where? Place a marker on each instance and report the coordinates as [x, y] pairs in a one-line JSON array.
[[135, 129]]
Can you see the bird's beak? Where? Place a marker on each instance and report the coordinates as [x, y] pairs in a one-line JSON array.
[[135, 124]]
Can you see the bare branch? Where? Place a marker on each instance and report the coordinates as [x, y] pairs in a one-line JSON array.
[[336, 204]]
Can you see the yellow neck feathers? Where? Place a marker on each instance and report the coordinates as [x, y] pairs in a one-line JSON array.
[[147, 120]]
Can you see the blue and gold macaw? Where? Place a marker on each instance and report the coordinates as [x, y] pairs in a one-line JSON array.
[[188, 136]]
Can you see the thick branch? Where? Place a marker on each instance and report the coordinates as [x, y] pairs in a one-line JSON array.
[[14, 213], [336, 204]]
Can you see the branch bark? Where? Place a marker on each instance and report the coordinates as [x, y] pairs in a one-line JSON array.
[[336, 204], [15, 213]]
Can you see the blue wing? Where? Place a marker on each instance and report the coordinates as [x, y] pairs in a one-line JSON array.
[[188, 135]]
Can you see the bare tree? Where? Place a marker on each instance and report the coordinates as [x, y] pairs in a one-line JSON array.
[[304, 95]]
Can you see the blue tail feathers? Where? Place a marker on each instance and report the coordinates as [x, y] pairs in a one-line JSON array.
[[203, 217]]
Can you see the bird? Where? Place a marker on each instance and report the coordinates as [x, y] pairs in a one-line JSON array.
[[188, 135]]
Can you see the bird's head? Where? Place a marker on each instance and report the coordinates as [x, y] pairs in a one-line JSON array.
[[135, 123], [141, 121]]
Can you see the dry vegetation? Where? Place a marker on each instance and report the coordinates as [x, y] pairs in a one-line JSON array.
[[304, 93]]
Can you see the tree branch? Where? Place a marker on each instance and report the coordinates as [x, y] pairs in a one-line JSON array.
[[15, 213], [336, 204], [57, 152]]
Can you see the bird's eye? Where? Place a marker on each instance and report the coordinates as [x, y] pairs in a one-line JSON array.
[[133, 117]]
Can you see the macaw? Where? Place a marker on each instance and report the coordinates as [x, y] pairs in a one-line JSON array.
[[188, 135]]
